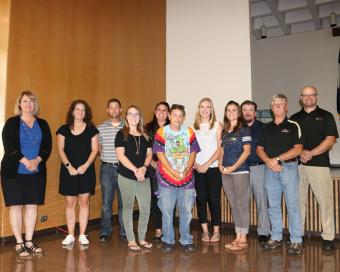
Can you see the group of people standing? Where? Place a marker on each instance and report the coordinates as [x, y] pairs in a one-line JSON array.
[[165, 164]]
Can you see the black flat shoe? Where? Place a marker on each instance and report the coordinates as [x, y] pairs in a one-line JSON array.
[[157, 238], [103, 238], [167, 248], [328, 245], [189, 247]]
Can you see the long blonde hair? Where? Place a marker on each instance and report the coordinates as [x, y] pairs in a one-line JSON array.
[[212, 117], [140, 125]]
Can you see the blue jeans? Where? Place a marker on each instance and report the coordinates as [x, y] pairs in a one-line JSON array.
[[185, 199], [286, 181], [109, 185]]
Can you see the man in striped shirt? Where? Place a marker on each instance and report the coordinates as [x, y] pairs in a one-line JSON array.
[[108, 169]]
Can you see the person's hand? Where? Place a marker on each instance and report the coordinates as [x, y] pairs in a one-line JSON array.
[[82, 168], [272, 163], [277, 168], [204, 168], [72, 171], [228, 170], [177, 175], [305, 156], [33, 165], [140, 173]]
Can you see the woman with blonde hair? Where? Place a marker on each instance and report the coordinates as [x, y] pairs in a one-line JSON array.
[[27, 143], [207, 175], [134, 152]]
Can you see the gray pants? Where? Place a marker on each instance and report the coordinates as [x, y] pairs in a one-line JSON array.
[[236, 187], [131, 189], [257, 187]]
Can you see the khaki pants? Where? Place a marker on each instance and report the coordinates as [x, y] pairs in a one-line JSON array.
[[319, 179]]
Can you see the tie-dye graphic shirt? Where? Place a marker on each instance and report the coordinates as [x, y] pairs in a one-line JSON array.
[[177, 147]]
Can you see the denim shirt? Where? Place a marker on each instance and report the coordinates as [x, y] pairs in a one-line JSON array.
[[232, 144]]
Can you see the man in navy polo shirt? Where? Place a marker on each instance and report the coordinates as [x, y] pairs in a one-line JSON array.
[[279, 146], [257, 171], [319, 135]]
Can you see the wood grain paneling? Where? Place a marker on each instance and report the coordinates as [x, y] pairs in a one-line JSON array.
[[89, 49]]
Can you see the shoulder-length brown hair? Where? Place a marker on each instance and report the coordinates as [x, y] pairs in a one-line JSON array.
[[212, 117], [226, 122], [88, 113], [140, 125], [32, 97]]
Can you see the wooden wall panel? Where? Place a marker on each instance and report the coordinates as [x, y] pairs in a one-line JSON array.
[[89, 49]]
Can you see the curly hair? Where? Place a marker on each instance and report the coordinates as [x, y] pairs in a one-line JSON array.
[[88, 113]]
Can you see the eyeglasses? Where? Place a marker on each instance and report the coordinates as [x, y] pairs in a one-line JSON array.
[[130, 114], [309, 95]]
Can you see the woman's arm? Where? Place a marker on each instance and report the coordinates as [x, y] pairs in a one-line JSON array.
[[94, 151], [216, 154], [245, 154], [62, 155]]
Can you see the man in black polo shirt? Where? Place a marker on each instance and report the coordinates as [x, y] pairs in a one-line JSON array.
[[279, 146], [319, 135], [257, 171]]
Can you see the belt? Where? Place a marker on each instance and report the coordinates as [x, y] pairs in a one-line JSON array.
[[114, 164], [256, 163], [288, 161]]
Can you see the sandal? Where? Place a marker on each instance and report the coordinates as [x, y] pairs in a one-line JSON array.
[[33, 248], [145, 245], [205, 237], [240, 246], [215, 237], [22, 249], [231, 244], [134, 248]]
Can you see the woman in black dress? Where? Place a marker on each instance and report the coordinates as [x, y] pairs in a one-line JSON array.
[[160, 119], [27, 143], [77, 148]]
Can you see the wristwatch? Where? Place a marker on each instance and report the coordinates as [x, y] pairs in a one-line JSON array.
[[67, 164], [278, 159]]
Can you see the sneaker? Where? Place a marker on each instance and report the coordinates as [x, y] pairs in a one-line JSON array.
[[167, 248], [272, 244], [103, 238], [328, 245], [68, 240], [263, 239], [189, 247], [83, 240], [295, 248]]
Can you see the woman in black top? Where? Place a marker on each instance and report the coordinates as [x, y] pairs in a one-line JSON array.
[[77, 148], [27, 144], [160, 119], [134, 153]]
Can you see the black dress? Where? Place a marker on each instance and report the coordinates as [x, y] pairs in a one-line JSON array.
[[77, 149]]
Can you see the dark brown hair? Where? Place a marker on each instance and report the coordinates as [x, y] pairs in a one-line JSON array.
[[226, 122], [177, 107], [88, 114]]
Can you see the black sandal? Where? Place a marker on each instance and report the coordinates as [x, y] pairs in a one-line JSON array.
[[21, 249], [33, 248]]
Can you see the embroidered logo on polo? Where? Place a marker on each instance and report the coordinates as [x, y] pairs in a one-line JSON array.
[[285, 130], [318, 118]]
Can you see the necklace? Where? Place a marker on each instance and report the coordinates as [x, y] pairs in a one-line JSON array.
[[137, 144], [31, 135]]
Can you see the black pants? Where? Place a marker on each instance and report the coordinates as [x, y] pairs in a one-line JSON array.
[[155, 211], [208, 189]]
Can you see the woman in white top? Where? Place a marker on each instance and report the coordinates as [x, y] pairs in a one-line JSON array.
[[207, 175]]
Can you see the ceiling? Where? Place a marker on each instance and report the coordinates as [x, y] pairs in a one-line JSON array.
[[285, 17]]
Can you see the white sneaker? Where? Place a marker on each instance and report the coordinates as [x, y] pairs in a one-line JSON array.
[[83, 240], [68, 240]]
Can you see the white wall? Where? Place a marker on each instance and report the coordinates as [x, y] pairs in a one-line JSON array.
[[207, 54], [285, 64]]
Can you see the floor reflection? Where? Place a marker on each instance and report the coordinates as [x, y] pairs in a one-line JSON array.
[[113, 256]]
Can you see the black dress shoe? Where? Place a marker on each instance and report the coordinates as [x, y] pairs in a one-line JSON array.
[[328, 245], [167, 248], [189, 247], [103, 238], [123, 237]]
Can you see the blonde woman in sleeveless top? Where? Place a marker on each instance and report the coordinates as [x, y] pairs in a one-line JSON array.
[[207, 175]]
